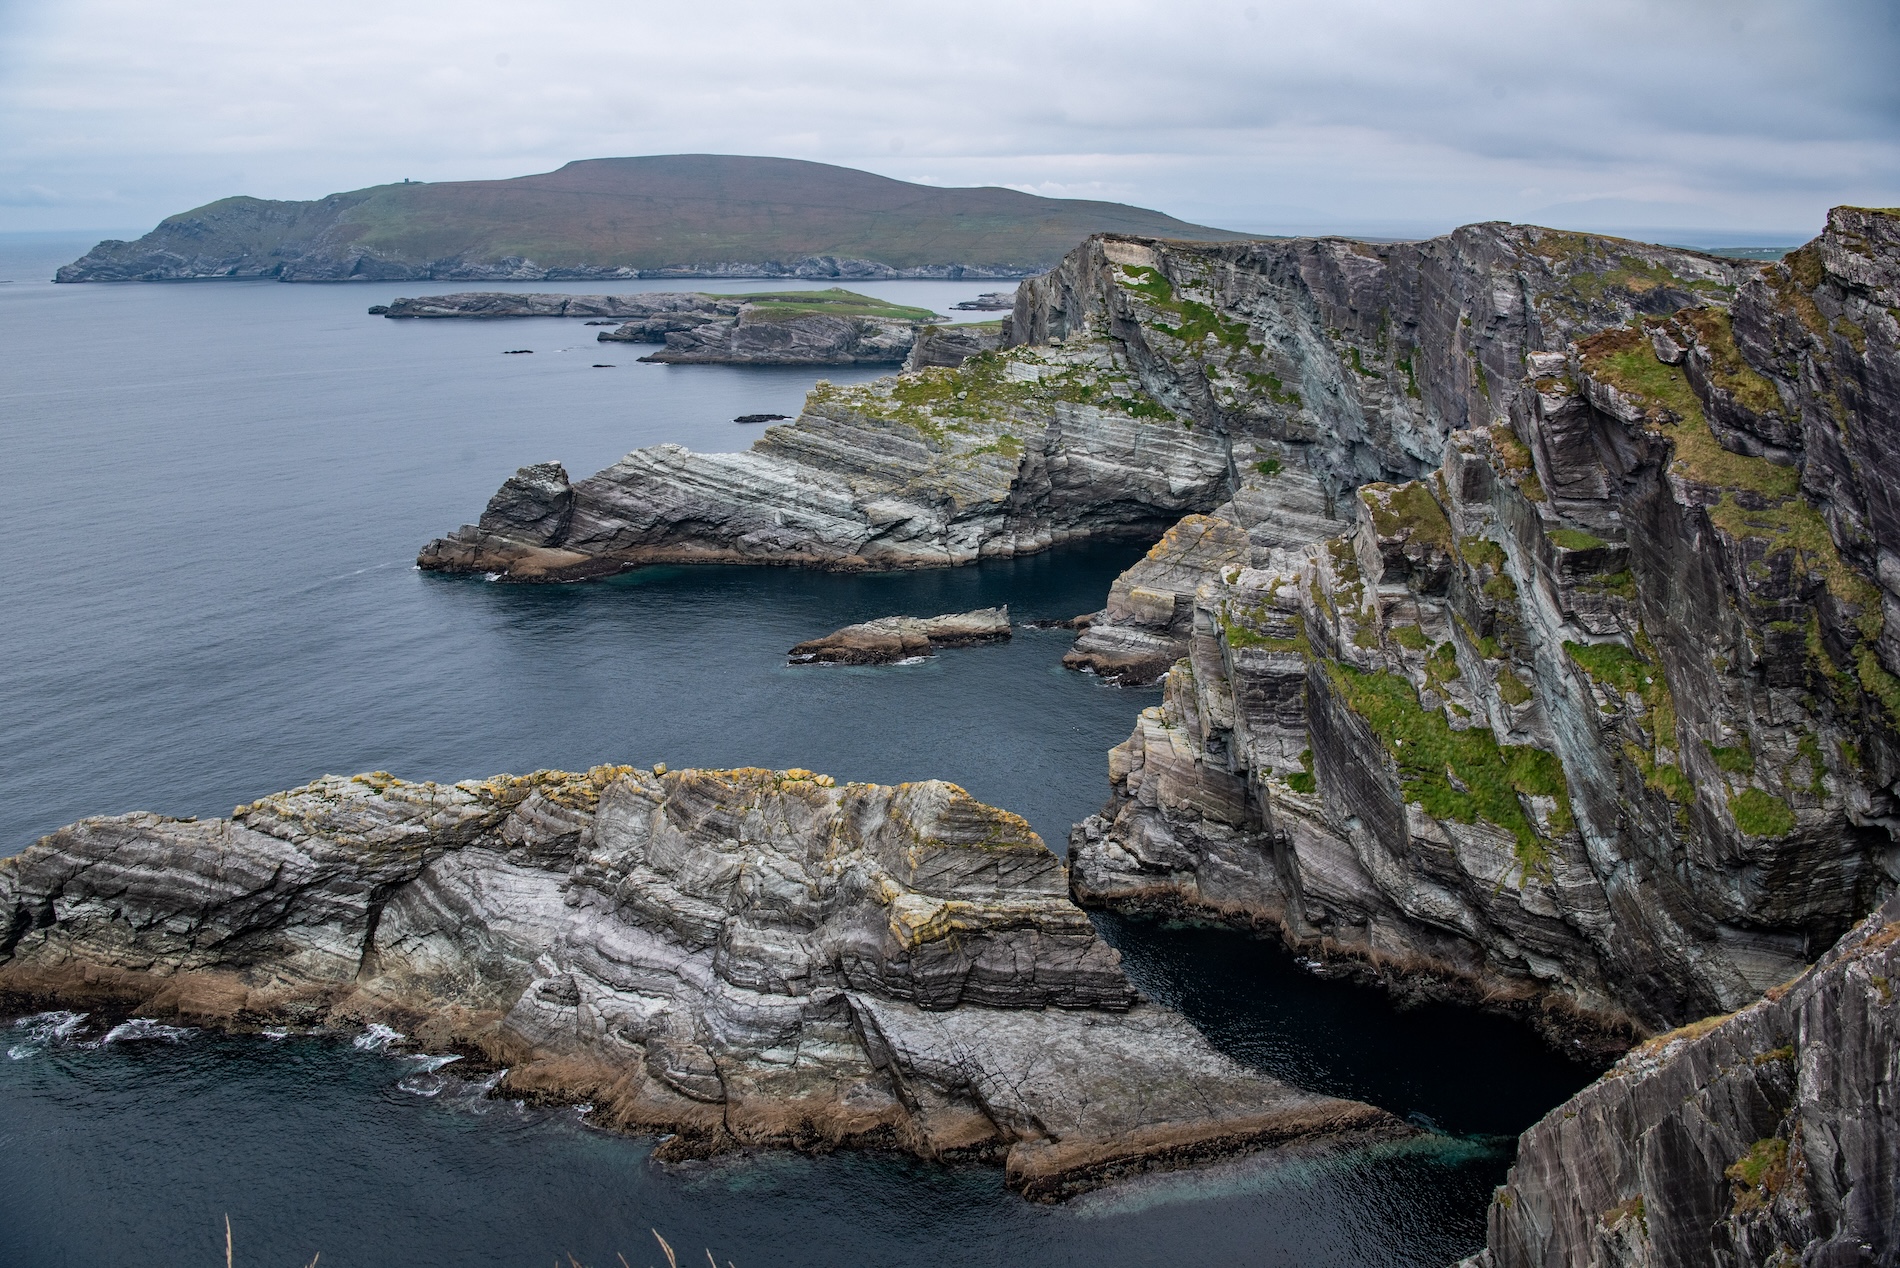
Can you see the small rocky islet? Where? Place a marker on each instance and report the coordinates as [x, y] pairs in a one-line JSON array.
[[1522, 612], [828, 327], [889, 639]]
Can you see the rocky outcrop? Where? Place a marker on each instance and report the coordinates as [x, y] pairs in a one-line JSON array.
[[1596, 721], [741, 957], [1767, 1137], [894, 638], [1146, 380], [756, 338], [988, 302], [1010, 453], [646, 306], [951, 346]]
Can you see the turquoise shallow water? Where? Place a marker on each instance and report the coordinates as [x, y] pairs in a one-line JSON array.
[[213, 493]]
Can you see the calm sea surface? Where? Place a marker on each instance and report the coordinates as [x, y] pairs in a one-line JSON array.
[[212, 495]]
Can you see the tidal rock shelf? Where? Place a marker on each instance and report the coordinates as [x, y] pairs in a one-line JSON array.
[[735, 958], [894, 638]]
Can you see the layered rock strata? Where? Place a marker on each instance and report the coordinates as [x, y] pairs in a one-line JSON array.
[[755, 338], [894, 638], [1145, 380], [741, 957], [1597, 720], [646, 306], [951, 346], [1767, 1137]]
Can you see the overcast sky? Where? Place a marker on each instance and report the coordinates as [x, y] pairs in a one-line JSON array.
[[1743, 117]]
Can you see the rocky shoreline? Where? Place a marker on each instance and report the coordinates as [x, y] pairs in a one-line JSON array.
[[735, 958]]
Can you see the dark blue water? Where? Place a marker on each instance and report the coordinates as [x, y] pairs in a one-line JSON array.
[[212, 495]]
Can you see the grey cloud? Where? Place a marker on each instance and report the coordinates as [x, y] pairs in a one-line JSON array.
[[1362, 111]]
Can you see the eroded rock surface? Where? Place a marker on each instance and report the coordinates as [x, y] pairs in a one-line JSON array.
[[1768, 1137], [736, 957], [1145, 380], [895, 638], [1595, 721], [805, 339]]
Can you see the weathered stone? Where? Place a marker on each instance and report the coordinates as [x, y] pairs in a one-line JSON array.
[[894, 638], [1765, 1137], [735, 957], [1596, 722]]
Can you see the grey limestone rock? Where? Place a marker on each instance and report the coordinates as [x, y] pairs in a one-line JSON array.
[[1145, 379], [1597, 721], [743, 957], [807, 339], [1767, 1137], [894, 638]]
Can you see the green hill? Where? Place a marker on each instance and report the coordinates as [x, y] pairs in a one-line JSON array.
[[679, 215]]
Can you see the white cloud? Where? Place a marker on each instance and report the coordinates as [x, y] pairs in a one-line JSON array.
[[1744, 114]]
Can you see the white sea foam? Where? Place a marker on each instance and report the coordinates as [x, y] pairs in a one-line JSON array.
[[430, 1063], [43, 1030], [144, 1028], [377, 1038]]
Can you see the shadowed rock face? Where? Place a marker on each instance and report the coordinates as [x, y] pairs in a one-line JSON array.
[[1597, 720], [738, 957], [894, 638], [1764, 1138]]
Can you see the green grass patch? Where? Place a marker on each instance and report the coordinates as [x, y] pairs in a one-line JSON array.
[[1431, 755], [836, 302], [1575, 539], [1304, 780], [1268, 385], [1761, 814], [1513, 690], [1482, 552], [1268, 467], [1736, 760], [1410, 507], [1759, 1175], [1411, 637]]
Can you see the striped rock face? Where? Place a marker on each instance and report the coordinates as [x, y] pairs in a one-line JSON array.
[[733, 957]]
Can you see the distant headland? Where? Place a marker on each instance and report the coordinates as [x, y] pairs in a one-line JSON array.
[[672, 215]]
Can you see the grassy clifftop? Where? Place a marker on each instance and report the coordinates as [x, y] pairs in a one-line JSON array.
[[676, 213]]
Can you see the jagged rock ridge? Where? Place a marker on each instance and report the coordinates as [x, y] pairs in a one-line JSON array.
[[742, 957], [1598, 719], [1764, 1138], [1147, 379]]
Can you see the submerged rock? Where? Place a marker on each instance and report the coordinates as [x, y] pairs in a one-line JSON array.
[[743, 957], [1766, 1137], [894, 638]]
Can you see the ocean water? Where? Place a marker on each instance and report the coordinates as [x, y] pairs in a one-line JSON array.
[[213, 494]]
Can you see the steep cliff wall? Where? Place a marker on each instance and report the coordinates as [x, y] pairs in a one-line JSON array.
[[1595, 719], [1769, 1137]]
